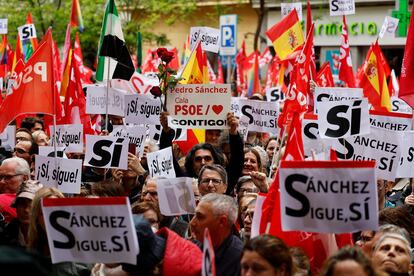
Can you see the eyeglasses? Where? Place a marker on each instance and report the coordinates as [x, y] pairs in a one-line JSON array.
[[20, 151], [148, 192], [206, 158], [206, 181], [8, 177]]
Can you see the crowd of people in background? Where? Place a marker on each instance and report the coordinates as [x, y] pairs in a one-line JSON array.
[[227, 176]]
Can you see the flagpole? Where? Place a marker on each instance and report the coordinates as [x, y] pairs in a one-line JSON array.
[[54, 113]]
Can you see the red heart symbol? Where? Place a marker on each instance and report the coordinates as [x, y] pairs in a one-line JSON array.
[[217, 109]]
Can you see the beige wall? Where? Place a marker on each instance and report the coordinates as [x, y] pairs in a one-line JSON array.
[[205, 16]]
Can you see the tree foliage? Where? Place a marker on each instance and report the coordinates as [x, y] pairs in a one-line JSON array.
[[136, 15]]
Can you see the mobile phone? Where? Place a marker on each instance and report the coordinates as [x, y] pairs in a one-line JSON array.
[[132, 148]]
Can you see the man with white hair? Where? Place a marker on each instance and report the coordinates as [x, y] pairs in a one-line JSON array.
[[392, 254], [218, 213], [13, 172]]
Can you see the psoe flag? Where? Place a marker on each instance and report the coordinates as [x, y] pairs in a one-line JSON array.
[[286, 35]]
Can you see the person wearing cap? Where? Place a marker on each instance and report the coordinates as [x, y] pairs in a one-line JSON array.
[[15, 232]]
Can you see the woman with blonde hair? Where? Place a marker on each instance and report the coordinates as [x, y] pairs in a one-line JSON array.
[[37, 239]]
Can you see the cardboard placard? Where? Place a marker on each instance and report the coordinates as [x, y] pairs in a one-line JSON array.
[[27, 31], [406, 166], [61, 173], [135, 135], [389, 27], [8, 137], [274, 94], [3, 26], [391, 120], [160, 163], [286, 8], [209, 37], [203, 106], [343, 119], [49, 151], [262, 115], [106, 152], [328, 197], [96, 100], [142, 84], [68, 136], [142, 109], [90, 230], [331, 94], [341, 7], [176, 196]]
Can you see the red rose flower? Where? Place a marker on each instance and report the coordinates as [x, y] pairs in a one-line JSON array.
[[167, 57], [161, 52], [156, 91]]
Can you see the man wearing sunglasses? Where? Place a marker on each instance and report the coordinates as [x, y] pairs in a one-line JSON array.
[[13, 171]]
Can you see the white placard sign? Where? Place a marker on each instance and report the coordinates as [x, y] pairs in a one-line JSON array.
[[135, 135], [210, 38], [406, 166], [142, 84], [235, 106], [68, 136], [340, 119], [286, 8], [312, 142], [389, 27], [90, 230], [27, 31], [274, 94], [203, 106], [328, 197], [96, 101], [391, 120], [382, 145], [154, 133], [8, 137], [49, 151], [160, 163], [244, 127], [341, 7], [142, 109], [3, 26], [106, 152], [61, 173], [176, 196], [336, 94], [208, 266], [399, 105], [262, 115]]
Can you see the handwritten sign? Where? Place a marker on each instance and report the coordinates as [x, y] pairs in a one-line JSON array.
[[203, 106], [176, 196], [63, 174], [142, 109], [160, 163], [96, 101], [68, 136], [90, 230], [106, 152], [328, 197]]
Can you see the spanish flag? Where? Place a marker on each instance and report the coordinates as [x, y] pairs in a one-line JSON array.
[[374, 80], [287, 35], [194, 69]]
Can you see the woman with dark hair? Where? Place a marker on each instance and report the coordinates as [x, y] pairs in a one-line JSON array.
[[348, 261], [266, 255]]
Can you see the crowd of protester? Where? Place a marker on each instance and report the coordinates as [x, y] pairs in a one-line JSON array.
[[228, 174]]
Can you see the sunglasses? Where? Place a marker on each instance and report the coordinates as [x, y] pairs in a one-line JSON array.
[[20, 151]]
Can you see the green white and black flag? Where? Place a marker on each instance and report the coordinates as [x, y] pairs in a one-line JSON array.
[[113, 53]]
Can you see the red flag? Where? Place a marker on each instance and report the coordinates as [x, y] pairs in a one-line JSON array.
[[151, 62], [324, 77], [75, 102], [85, 72], [34, 91], [393, 85], [254, 81], [220, 76], [66, 55], [240, 60], [407, 70], [272, 74], [294, 145], [56, 62], [345, 66]]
